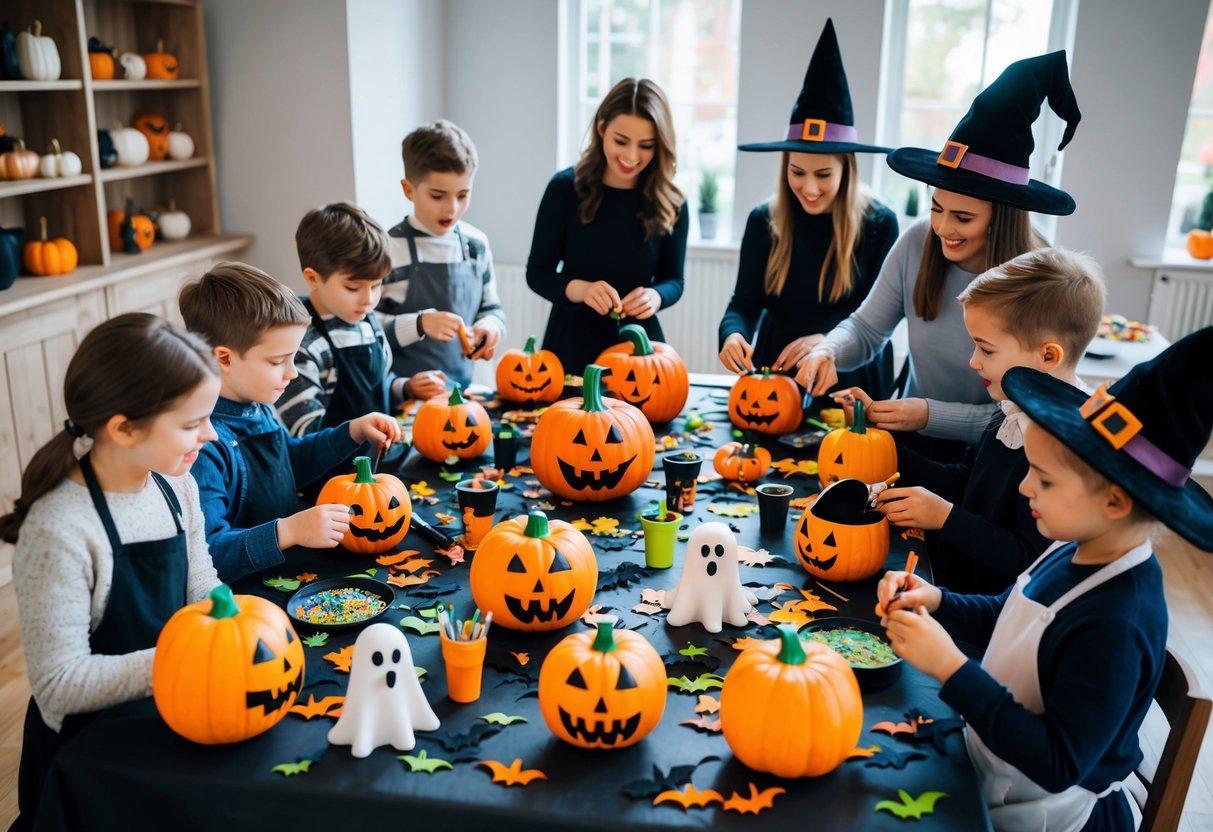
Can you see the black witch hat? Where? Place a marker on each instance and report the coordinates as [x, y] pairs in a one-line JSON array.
[[987, 155], [822, 120]]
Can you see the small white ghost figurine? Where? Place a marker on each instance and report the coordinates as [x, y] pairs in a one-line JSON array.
[[709, 590], [384, 703]]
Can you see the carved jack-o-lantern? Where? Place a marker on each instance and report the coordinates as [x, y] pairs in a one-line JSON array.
[[452, 426], [530, 375], [766, 402], [603, 689], [649, 375], [592, 448], [534, 574], [865, 453], [742, 462], [226, 668], [380, 508], [156, 128], [837, 539]]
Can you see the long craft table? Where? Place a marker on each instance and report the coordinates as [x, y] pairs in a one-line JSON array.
[[127, 770]]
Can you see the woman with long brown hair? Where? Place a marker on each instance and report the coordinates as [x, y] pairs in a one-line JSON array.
[[610, 235], [811, 253]]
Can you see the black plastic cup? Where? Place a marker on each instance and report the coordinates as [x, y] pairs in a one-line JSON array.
[[505, 449], [681, 477], [773, 500]]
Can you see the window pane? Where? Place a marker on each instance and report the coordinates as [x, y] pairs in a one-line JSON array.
[[1194, 176]]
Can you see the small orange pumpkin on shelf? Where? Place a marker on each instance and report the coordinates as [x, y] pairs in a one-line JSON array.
[[100, 60], [46, 258], [742, 462], [161, 66], [156, 128], [19, 163], [379, 504], [130, 232], [766, 402]]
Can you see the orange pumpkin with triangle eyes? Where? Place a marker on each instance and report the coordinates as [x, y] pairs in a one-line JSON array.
[[861, 452], [530, 375], [766, 402], [837, 539], [646, 374], [379, 504], [447, 426]]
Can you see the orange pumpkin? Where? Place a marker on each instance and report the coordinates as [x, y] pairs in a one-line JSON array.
[[50, 257], [648, 375], [156, 128], [19, 163], [534, 573], [867, 454], [602, 689], [766, 402], [530, 375], [1200, 243], [452, 426], [226, 668], [129, 231], [161, 66], [837, 539], [592, 448], [379, 504], [790, 707], [742, 462], [100, 60]]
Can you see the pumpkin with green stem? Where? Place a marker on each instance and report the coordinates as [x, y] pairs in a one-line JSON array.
[[530, 375], [766, 402], [861, 452], [379, 504], [742, 461], [646, 374], [447, 426]]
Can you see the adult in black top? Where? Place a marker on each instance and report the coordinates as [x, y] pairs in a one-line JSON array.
[[610, 234]]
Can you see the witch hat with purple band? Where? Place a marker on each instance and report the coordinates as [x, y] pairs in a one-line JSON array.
[[822, 120], [1143, 433], [987, 154]]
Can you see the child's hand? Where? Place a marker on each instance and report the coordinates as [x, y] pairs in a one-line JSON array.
[[817, 373], [319, 527], [913, 507], [485, 337], [737, 355], [426, 384], [439, 325], [892, 414], [917, 593], [923, 642], [796, 351], [376, 428], [641, 303]]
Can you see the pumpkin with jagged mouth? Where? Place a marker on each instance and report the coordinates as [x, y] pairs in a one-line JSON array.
[[766, 402], [452, 426], [530, 375], [379, 506]]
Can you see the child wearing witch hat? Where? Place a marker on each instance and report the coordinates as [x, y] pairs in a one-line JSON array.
[[1076, 647], [981, 197], [811, 253]]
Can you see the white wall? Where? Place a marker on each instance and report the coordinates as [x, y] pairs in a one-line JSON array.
[[280, 99]]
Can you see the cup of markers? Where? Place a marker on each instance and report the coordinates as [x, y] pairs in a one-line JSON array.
[[464, 642]]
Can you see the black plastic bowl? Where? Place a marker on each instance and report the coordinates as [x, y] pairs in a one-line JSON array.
[[367, 585], [869, 678]]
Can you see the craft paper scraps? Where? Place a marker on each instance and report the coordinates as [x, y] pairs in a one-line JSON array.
[[790, 613], [863, 752], [894, 728], [328, 706], [913, 534], [396, 557], [789, 466], [513, 774], [812, 603], [341, 659], [288, 769], [733, 509], [402, 579], [707, 704], [644, 789], [523, 658], [704, 724], [689, 798], [316, 639], [760, 557], [704, 681], [892, 758], [421, 489], [454, 553], [444, 519], [422, 762], [740, 644], [306, 577], [759, 618], [758, 801], [499, 718], [419, 625], [910, 807], [285, 584]]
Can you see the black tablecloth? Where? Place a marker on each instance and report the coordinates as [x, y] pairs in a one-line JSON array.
[[128, 770]]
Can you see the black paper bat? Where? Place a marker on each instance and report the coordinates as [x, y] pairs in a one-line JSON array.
[[433, 589], [892, 758], [933, 731], [678, 775], [621, 576], [465, 747]]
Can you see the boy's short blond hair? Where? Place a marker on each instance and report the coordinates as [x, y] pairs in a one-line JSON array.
[[235, 304], [342, 238], [1048, 294], [441, 147]]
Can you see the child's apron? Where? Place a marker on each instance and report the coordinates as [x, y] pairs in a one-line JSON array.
[[1017, 804], [361, 375]]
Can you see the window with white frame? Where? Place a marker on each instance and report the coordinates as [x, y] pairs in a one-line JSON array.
[[690, 49], [939, 55], [1194, 175]]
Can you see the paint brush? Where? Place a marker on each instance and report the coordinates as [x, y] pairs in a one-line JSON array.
[[430, 533], [911, 562]]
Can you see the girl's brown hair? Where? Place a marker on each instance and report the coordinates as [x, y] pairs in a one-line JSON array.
[[136, 365], [851, 202], [1010, 234], [662, 200]]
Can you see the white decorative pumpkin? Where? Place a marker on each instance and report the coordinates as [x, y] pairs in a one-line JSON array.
[[60, 162], [133, 66], [180, 145], [131, 145], [173, 224], [37, 56]]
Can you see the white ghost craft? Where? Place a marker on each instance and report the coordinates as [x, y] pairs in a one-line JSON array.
[[384, 703], [709, 590]]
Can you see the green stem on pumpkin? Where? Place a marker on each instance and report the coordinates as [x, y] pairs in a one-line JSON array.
[[858, 423], [456, 395], [536, 524], [604, 642], [223, 605], [362, 464], [591, 390], [639, 338], [791, 651], [529, 349]]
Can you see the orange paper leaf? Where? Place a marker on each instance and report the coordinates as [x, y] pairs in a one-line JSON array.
[[395, 558], [341, 658], [689, 797], [328, 706], [513, 774], [757, 801], [707, 704], [523, 658], [306, 577]]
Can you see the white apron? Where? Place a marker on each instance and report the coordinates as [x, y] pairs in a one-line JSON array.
[[1017, 804]]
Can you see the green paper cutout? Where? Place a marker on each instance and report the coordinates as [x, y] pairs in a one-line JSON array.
[[420, 626], [316, 639], [285, 584], [420, 671], [691, 651], [499, 718], [733, 509], [370, 573], [910, 807], [702, 682], [450, 476], [289, 769], [423, 763]]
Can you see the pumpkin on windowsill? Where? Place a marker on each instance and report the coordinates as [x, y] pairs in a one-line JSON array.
[[379, 504], [766, 402], [1200, 244], [530, 375], [647, 374], [452, 426]]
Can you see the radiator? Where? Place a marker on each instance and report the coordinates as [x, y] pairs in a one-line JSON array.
[[1181, 302], [690, 325]]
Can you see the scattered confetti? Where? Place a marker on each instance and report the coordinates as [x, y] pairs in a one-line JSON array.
[[347, 605]]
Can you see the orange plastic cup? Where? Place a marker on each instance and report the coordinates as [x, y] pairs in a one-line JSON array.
[[464, 662]]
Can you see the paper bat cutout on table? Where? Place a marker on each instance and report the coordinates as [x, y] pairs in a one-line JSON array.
[[289, 769], [892, 758], [703, 724], [705, 681], [397, 558], [342, 658], [434, 589], [689, 798], [328, 706], [465, 747], [677, 775], [423, 762], [502, 719], [758, 801], [513, 774], [934, 731], [894, 728], [910, 807], [621, 576]]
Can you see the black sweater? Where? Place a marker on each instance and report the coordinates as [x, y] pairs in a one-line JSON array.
[[610, 248]]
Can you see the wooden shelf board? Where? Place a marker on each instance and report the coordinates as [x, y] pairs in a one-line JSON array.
[[41, 86], [179, 84], [17, 187], [152, 168]]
